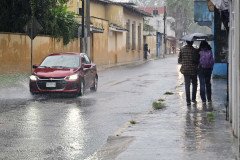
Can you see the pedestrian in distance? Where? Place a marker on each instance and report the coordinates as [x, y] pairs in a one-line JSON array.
[[146, 51], [188, 58], [206, 63]]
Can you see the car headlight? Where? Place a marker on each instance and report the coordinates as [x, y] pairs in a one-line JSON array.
[[72, 77], [33, 77]]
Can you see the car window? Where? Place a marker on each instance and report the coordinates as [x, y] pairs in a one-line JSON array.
[[86, 60], [68, 61]]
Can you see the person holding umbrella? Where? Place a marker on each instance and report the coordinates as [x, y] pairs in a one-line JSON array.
[[188, 58], [206, 63]]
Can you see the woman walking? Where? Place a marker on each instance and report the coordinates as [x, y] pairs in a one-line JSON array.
[[206, 63]]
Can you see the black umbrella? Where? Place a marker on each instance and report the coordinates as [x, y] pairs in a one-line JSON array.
[[197, 37]]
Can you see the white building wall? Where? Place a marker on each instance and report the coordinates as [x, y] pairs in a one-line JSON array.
[[158, 24], [236, 103], [234, 66]]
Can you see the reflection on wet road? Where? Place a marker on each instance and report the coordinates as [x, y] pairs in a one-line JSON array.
[[179, 132], [54, 127]]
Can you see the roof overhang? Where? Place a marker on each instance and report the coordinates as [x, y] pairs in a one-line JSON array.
[[94, 29], [116, 28]]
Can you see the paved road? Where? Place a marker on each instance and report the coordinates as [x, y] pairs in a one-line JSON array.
[[48, 127]]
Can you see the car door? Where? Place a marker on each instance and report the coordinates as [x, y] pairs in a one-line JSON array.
[[87, 70]]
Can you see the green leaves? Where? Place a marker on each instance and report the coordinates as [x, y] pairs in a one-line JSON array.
[[64, 23], [51, 14], [182, 11]]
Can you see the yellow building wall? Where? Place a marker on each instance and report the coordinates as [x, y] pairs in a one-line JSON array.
[[114, 13], [112, 48], [15, 51], [100, 43], [97, 10], [116, 47], [108, 48], [152, 41], [73, 5], [125, 55]]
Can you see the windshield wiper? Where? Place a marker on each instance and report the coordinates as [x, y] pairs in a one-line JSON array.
[[59, 67], [44, 66]]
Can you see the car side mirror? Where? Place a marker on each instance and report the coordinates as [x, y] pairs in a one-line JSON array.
[[35, 66], [87, 65]]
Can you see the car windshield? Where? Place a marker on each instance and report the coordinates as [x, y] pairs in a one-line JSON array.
[[61, 61]]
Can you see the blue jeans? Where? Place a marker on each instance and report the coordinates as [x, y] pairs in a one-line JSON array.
[[205, 84], [190, 79]]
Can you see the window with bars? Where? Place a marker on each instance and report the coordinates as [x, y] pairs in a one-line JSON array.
[[140, 36], [128, 36], [134, 36]]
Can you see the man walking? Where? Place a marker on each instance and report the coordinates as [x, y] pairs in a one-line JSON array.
[[146, 50], [189, 59]]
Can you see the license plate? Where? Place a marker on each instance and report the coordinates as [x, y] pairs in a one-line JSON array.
[[51, 84]]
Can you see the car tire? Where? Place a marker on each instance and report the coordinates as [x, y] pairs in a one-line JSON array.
[[81, 88], [95, 84]]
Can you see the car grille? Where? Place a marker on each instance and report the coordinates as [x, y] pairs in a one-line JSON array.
[[60, 84]]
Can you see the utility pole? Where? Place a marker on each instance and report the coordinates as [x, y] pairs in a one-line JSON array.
[[88, 28], [82, 45], [164, 32], [32, 12]]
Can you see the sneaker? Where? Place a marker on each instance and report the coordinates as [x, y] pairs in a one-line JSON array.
[[188, 103], [210, 101]]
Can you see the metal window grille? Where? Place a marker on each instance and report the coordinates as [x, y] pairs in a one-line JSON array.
[[128, 35], [140, 37], [134, 36]]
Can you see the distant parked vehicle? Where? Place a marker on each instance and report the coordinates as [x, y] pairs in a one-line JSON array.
[[64, 73]]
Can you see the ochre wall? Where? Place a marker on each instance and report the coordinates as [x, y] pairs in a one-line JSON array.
[[125, 55], [97, 10], [15, 51], [117, 47], [151, 41], [100, 44], [114, 13], [73, 5], [108, 48]]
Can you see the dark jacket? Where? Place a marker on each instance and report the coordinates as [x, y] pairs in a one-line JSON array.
[[188, 57]]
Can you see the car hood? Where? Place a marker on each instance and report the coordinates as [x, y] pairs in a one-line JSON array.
[[53, 72]]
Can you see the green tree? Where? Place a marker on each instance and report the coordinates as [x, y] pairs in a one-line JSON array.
[[182, 11], [51, 14], [62, 23]]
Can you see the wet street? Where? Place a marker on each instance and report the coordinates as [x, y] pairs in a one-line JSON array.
[[56, 127]]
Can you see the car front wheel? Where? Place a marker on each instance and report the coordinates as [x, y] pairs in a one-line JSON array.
[[95, 84], [81, 89]]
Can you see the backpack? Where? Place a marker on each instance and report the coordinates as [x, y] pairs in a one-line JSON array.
[[206, 59]]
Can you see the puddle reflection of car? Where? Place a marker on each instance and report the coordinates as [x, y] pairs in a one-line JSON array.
[[71, 73]]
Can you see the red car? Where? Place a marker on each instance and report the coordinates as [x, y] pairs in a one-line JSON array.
[[64, 73]]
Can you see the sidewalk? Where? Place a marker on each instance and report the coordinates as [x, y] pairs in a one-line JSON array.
[[177, 132], [182, 133]]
